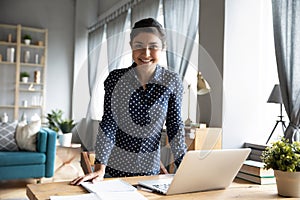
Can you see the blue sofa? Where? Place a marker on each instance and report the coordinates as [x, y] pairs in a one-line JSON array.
[[25, 164]]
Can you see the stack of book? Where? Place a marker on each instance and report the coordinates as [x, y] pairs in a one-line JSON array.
[[256, 151], [254, 171]]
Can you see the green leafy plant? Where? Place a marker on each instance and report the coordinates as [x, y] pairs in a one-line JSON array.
[[282, 155], [56, 122], [27, 37], [54, 118], [24, 74], [66, 125]]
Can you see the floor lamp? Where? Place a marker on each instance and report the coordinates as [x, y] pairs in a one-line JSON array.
[[202, 88], [275, 97]]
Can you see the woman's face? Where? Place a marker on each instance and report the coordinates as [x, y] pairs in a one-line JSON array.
[[146, 49]]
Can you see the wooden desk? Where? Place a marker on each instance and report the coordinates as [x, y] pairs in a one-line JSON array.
[[238, 189]]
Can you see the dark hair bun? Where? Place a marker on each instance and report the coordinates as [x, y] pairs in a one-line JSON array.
[[148, 22]]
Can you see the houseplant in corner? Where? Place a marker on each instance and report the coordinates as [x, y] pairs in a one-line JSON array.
[[62, 126], [284, 158]]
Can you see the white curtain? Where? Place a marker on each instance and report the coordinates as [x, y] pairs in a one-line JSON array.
[[144, 9], [286, 22], [181, 22], [115, 35], [95, 38], [86, 130]]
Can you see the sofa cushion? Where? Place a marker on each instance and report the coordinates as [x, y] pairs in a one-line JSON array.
[[26, 134], [7, 136], [21, 158]]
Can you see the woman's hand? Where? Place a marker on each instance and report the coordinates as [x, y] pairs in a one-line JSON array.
[[93, 177], [96, 176]]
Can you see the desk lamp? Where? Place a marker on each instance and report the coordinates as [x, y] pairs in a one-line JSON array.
[[202, 85], [202, 88], [275, 97]]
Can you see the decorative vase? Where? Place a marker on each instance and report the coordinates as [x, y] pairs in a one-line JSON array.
[[288, 183], [27, 56], [65, 139]]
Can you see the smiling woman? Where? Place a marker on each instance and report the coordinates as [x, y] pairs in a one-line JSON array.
[[138, 101]]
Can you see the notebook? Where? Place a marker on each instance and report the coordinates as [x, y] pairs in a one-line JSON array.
[[201, 170]]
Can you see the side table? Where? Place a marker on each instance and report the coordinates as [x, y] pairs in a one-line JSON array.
[[67, 162]]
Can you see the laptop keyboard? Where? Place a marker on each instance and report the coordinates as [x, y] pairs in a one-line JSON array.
[[163, 186]]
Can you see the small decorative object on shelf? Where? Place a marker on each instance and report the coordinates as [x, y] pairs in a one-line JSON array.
[[24, 76], [37, 76], [27, 39], [42, 60], [0, 57], [36, 58], [10, 54], [27, 56], [9, 38], [40, 43], [31, 87], [25, 103], [4, 118]]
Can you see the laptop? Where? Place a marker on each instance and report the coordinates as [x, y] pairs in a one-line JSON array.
[[201, 170]]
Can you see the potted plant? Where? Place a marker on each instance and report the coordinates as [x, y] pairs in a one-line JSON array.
[[27, 39], [66, 127], [62, 126], [284, 158], [54, 118], [24, 76]]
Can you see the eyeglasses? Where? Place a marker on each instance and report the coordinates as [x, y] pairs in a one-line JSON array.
[[142, 47]]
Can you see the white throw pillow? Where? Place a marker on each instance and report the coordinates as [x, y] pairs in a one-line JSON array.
[[26, 134]]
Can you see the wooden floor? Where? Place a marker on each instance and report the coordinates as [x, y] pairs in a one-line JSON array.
[[16, 189]]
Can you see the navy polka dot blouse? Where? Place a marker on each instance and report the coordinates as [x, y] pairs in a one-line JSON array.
[[128, 139]]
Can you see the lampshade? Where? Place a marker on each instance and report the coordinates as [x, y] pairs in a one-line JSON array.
[[202, 85], [275, 96]]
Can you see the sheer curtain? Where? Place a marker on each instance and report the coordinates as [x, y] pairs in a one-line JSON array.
[[115, 40], [286, 23], [181, 21], [86, 129], [138, 11], [95, 38]]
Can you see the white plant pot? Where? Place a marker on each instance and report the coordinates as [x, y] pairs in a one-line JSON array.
[[27, 42], [65, 139], [288, 183], [25, 79]]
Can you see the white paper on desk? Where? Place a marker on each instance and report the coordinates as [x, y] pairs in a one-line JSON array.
[[113, 190], [89, 196], [133, 195], [108, 186]]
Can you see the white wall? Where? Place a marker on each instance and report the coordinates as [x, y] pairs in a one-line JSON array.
[[58, 17], [249, 73], [67, 22]]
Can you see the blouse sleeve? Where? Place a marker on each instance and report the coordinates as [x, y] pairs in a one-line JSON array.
[[174, 123], [107, 127]]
